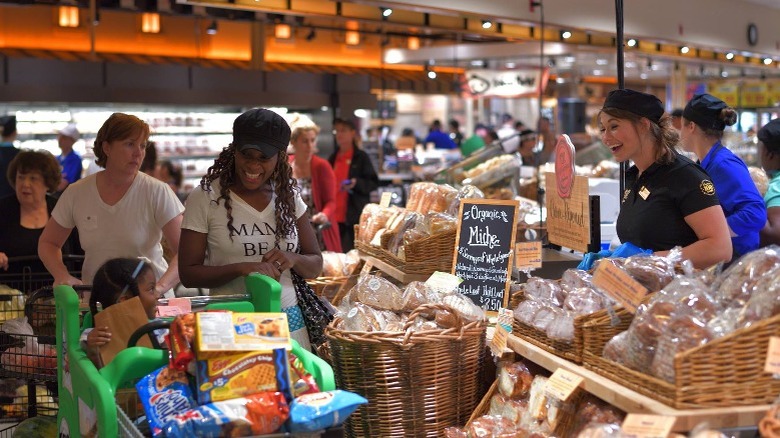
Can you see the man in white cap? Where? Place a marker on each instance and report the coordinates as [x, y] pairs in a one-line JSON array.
[[69, 160]]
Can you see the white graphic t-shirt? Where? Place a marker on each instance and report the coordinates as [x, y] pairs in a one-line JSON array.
[[253, 232]]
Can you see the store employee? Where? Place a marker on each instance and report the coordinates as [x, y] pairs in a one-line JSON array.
[[769, 154], [669, 200], [703, 121]]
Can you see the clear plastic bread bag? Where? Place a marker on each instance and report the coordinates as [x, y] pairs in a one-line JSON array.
[[379, 293]]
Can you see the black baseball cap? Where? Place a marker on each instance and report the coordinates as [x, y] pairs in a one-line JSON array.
[[636, 102], [704, 110], [770, 135], [261, 129]]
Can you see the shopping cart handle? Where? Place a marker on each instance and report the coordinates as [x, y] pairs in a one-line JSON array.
[[133, 363], [318, 368], [146, 329]]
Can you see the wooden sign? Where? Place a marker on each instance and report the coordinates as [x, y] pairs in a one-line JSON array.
[[562, 384], [647, 426], [616, 283], [568, 219], [773, 356], [528, 255], [564, 166], [483, 250], [502, 331]]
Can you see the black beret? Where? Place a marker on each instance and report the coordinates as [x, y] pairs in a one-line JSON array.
[[704, 110], [770, 135], [641, 104]]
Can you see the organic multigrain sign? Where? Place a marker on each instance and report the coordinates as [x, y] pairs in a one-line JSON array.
[[483, 251]]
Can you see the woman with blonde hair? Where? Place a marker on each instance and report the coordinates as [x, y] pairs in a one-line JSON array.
[[119, 211], [316, 180]]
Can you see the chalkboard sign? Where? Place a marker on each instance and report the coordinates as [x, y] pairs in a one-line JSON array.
[[483, 250]]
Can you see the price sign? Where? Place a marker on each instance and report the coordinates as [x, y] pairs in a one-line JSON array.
[[503, 329], [528, 255], [443, 282], [773, 356], [619, 285], [384, 201], [483, 250], [647, 426], [562, 384]]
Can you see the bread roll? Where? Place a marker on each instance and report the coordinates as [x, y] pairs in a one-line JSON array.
[[514, 380]]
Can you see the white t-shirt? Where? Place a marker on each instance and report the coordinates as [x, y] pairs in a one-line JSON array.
[[130, 228], [254, 234]]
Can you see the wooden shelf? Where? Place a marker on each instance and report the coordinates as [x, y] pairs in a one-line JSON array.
[[393, 271], [633, 402]]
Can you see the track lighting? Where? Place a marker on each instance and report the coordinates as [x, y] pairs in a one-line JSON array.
[[487, 24], [212, 29], [767, 61], [729, 56], [684, 50], [386, 12], [565, 34], [631, 42]]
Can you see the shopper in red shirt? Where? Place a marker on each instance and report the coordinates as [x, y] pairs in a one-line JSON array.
[[315, 179], [356, 178]]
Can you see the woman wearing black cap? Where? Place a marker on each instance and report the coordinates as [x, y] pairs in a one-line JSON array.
[[769, 154], [669, 200], [703, 121], [247, 216]]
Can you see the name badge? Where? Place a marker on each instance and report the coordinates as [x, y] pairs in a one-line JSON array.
[[644, 193]]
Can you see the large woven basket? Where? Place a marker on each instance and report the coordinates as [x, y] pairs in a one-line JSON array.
[[327, 286], [726, 372], [417, 383], [425, 256]]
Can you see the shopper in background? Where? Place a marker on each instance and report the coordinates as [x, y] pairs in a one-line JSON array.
[[7, 151], [528, 141], [508, 133], [149, 165], [247, 216], [769, 155], [172, 175], [68, 159], [703, 121], [356, 176], [677, 115], [119, 211], [316, 181], [32, 174], [476, 141], [439, 139], [455, 135], [669, 201]]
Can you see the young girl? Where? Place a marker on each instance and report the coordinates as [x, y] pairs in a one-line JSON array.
[[116, 281]]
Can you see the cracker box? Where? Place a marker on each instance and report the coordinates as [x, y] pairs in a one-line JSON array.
[[239, 375], [218, 333]]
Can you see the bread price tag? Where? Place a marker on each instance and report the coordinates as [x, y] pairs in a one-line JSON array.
[[773, 356], [501, 334], [647, 426], [619, 285], [443, 282], [528, 255], [562, 384], [384, 201]]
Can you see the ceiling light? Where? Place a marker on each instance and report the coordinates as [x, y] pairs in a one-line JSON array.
[[69, 16], [361, 113], [282, 31], [602, 61], [212, 29], [569, 59], [352, 37], [394, 56], [767, 61], [150, 22], [597, 72], [643, 76], [565, 34], [560, 80], [729, 56], [477, 63], [487, 24], [511, 65], [631, 42], [386, 12], [413, 43], [324, 108], [431, 74], [724, 73], [684, 50]]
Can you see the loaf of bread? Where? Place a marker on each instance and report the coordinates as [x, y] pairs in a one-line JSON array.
[[465, 192], [592, 410], [379, 293], [514, 380], [537, 398], [545, 316], [683, 333], [493, 427], [583, 301], [332, 264], [526, 311], [437, 223], [738, 281], [544, 290], [465, 308], [561, 328], [363, 318], [415, 295], [351, 261], [575, 279], [653, 272]]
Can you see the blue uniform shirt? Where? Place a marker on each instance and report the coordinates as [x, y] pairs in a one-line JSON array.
[[71, 166], [440, 140], [739, 197]]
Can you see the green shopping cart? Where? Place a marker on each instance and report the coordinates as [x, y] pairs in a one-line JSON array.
[[87, 396]]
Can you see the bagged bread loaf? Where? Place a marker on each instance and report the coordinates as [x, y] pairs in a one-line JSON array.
[[411, 220], [379, 293], [415, 295], [597, 430], [545, 316], [764, 302], [493, 427], [683, 333], [464, 307], [363, 318], [592, 410], [544, 290], [514, 380], [332, 264], [351, 261], [465, 192], [437, 223], [370, 210], [584, 301], [653, 272], [561, 328], [526, 311], [575, 279], [737, 282]]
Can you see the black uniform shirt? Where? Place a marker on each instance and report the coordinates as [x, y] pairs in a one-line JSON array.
[[654, 205]]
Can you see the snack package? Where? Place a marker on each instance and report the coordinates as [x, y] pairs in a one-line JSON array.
[[312, 412], [239, 375], [252, 415], [180, 339], [302, 382], [164, 394], [514, 380], [218, 333]]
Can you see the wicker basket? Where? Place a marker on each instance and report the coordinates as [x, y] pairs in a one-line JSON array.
[[425, 256], [417, 383], [572, 351], [327, 286], [725, 372]]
